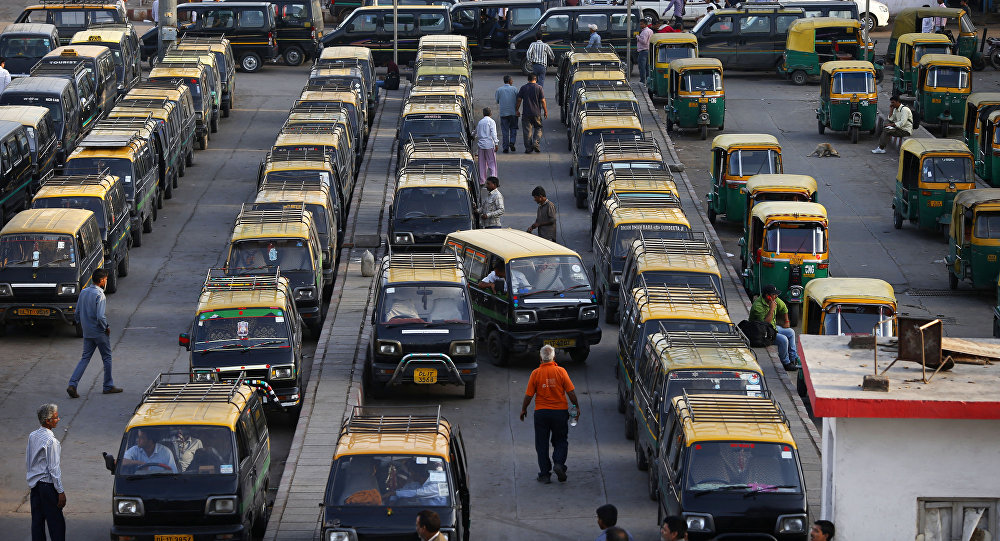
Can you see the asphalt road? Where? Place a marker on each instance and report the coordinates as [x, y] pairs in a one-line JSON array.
[[154, 303]]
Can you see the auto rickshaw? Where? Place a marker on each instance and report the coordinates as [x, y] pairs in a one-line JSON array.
[[978, 107], [838, 306], [943, 84], [779, 187], [785, 244], [848, 98], [988, 149], [909, 50], [735, 158], [910, 20], [664, 48], [814, 41], [974, 238], [695, 95], [931, 171]]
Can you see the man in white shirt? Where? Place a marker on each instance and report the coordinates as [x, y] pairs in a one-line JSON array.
[[900, 124], [4, 74], [44, 476], [489, 143]]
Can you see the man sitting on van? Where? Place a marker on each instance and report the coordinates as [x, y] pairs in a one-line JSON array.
[[768, 307], [148, 456]]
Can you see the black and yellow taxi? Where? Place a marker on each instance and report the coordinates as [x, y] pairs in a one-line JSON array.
[[346, 76], [440, 151], [177, 93], [430, 202], [595, 126], [283, 165], [193, 463], [24, 44], [42, 137], [124, 52], [47, 257], [97, 87], [327, 115], [391, 463], [194, 75], [332, 141], [422, 325], [225, 63], [347, 99], [672, 262], [173, 144], [615, 154], [71, 16], [16, 184], [349, 56], [191, 59], [57, 95], [104, 195], [632, 177], [527, 292], [433, 116], [576, 60]]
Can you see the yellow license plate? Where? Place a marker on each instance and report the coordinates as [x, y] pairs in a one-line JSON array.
[[173, 537], [561, 343], [934, 203], [33, 311], [425, 375]]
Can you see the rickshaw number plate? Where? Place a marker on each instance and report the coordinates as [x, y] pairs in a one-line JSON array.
[[935, 100], [934, 203], [425, 376], [33, 311], [562, 343], [173, 537]]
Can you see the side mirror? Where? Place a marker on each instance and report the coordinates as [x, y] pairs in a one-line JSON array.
[[184, 340], [109, 462]]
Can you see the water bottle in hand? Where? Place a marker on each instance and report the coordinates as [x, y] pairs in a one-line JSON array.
[[573, 414]]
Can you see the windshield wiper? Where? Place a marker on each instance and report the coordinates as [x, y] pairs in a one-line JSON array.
[[265, 343], [571, 288], [766, 488], [537, 291], [447, 216], [60, 260], [722, 487], [224, 346], [408, 218]]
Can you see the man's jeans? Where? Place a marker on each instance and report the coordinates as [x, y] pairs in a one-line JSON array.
[[888, 132], [103, 344], [785, 340], [508, 131], [554, 424], [539, 71], [531, 126], [643, 66]]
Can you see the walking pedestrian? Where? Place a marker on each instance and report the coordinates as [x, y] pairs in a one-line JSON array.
[[44, 477], [594, 44], [429, 526], [607, 521], [545, 217], [674, 529], [488, 142], [642, 46], [675, 9], [532, 97], [900, 124], [96, 332], [539, 55], [549, 384], [156, 11], [492, 208], [822, 530], [4, 74], [506, 97], [768, 307]]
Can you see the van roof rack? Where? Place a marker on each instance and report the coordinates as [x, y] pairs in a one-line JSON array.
[[604, 86], [179, 62], [223, 279], [128, 123], [109, 25], [394, 420], [78, 180], [734, 338], [336, 86], [112, 138], [445, 62], [619, 147], [174, 83], [698, 244], [143, 102], [297, 184], [414, 261], [317, 107], [185, 54], [652, 175], [434, 144], [584, 49], [430, 99], [177, 387], [615, 112], [731, 408], [293, 155], [59, 66], [288, 214], [199, 40], [665, 201], [75, 2], [678, 294]]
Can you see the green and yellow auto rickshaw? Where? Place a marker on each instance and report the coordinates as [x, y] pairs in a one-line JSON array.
[[816, 40], [785, 244], [930, 173], [663, 49], [978, 107], [909, 50], [839, 306], [943, 83], [735, 158], [974, 238], [910, 20], [779, 187], [988, 149], [848, 98], [696, 98]]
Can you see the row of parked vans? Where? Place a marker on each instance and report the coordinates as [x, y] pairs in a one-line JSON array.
[[91, 201]]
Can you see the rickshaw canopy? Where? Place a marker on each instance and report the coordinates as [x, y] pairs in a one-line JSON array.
[[925, 145], [945, 60], [729, 140], [978, 99], [802, 32], [858, 290], [967, 199], [781, 183], [906, 20], [847, 65], [789, 209], [683, 64], [914, 38], [673, 38]]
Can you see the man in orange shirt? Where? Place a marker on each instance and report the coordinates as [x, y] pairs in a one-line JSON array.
[[549, 384]]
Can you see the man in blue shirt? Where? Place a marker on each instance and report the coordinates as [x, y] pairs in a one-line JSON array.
[[506, 97], [595, 39], [423, 489], [148, 456], [96, 332]]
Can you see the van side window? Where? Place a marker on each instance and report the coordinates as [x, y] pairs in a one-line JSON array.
[[722, 25], [259, 421], [464, 16], [406, 23], [82, 246], [431, 22], [584, 20], [556, 24], [15, 153], [5, 158], [22, 140], [366, 22], [92, 236], [250, 18], [242, 443], [755, 24], [782, 22], [475, 265]]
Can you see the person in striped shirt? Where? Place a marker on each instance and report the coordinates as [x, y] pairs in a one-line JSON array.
[[539, 56]]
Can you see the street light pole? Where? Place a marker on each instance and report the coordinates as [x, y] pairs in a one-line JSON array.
[[166, 31], [395, 32]]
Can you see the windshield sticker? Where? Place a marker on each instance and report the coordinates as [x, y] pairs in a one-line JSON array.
[[279, 319], [201, 323], [34, 259], [272, 253], [421, 460], [226, 468], [436, 476], [61, 245], [576, 268], [786, 454], [753, 387], [242, 329], [390, 290], [128, 179], [299, 244]]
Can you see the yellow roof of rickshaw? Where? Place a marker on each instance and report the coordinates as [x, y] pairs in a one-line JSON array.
[[214, 413], [906, 20], [623, 121], [647, 215], [978, 99], [833, 289], [798, 209], [741, 427], [417, 442], [679, 356], [781, 182], [673, 38], [970, 198], [728, 140], [924, 145], [661, 308], [681, 64], [921, 37], [78, 49], [651, 260], [99, 35], [346, 51], [844, 65], [945, 60], [59, 221], [419, 267], [511, 243]]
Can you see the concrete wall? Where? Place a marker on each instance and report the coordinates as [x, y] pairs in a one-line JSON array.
[[879, 467]]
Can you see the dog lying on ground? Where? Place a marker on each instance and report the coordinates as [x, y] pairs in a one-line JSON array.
[[825, 150]]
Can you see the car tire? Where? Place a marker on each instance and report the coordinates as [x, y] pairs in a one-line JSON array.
[[868, 20], [168, 190], [820, 127], [629, 425], [203, 142], [622, 403], [214, 124], [852, 133], [137, 236], [250, 62], [494, 345], [704, 132], [609, 313], [794, 314], [112, 285], [470, 390], [123, 265], [641, 463], [225, 110], [526, 66], [652, 488], [294, 56], [579, 354], [712, 215], [952, 280], [897, 219]]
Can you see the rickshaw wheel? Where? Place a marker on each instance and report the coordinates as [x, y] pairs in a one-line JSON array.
[[794, 314], [945, 126], [704, 132], [799, 77], [952, 279], [852, 132], [897, 219], [878, 75], [711, 215], [670, 124], [820, 127], [978, 63]]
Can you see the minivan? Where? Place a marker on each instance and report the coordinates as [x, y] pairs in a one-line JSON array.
[[70, 17], [41, 131], [476, 19], [100, 93], [24, 44], [15, 169], [751, 38], [299, 28], [564, 28], [372, 27], [124, 52], [249, 26], [59, 96]]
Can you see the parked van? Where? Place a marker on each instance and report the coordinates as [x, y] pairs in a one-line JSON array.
[[15, 169], [195, 76], [59, 96], [42, 138], [372, 27], [156, 118], [50, 255], [101, 93], [328, 115], [489, 34], [345, 97], [104, 195], [124, 53], [249, 26], [349, 56], [431, 201], [188, 60], [299, 27], [23, 45], [177, 93], [749, 38], [225, 63], [307, 166], [331, 140], [72, 16], [564, 28]]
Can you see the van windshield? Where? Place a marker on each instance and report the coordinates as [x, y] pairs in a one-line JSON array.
[[431, 125], [396, 480], [857, 319], [287, 254], [93, 204], [592, 137], [626, 234], [119, 167], [294, 15], [37, 250], [424, 304], [947, 169], [247, 326], [172, 449], [16, 47], [548, 275], [795, 238], [707, 381], [434, 204], [305, 174], [50, 102], [742, 466], [193, 86]]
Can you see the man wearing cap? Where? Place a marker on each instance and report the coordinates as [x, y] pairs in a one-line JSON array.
[[768, 307], [595, 39], [642, 46]]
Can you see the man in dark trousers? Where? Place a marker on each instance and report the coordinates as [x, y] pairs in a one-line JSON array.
[[96, 332], [549, 384], [532, 97], [44, 477], [545, 218]]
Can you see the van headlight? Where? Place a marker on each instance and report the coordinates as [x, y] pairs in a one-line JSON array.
[[305, 294], [402, 238], [588, 312], [462, 348], [205, 377], [220, 505], [524, 317], [67, 289], [128, 507], [616, 277], [282, 372], [6, 290], [698, 522], [340, 536], [792, 524], [389, 348]]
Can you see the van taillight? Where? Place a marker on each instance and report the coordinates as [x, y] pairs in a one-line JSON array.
[[194, 81], [270, 38]]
